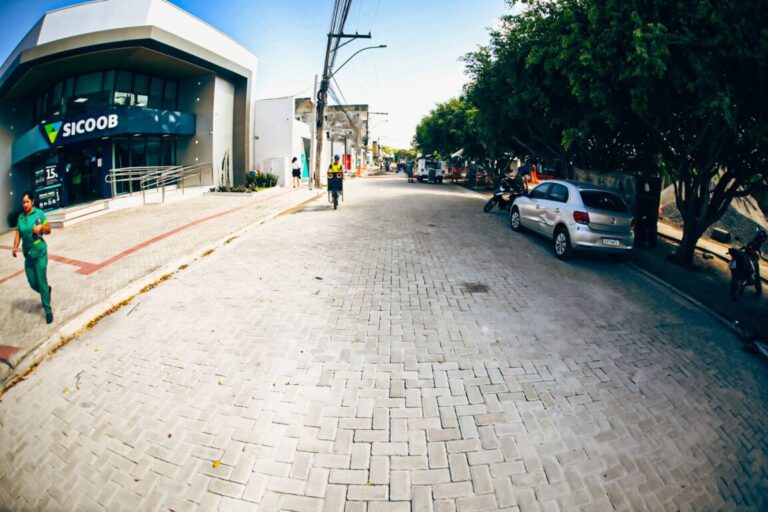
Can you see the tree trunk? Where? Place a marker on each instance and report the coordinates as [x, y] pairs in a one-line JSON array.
[[691, 233]]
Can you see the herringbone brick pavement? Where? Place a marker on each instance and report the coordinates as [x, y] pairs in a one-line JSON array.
[[406, 352], [90, 261]]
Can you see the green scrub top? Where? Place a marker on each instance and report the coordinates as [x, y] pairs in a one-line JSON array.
[[32, 245]]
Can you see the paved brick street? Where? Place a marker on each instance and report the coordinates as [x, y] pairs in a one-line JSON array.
[[91, 261], [406, 352]]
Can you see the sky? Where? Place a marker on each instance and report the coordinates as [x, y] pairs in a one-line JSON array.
[[419, 68]]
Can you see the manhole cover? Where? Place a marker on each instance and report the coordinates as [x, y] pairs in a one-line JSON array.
[[475, 288]]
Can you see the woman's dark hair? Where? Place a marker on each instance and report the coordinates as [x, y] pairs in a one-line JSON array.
[[29, 194]]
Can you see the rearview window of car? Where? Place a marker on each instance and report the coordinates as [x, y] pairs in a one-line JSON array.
[[603, 201]]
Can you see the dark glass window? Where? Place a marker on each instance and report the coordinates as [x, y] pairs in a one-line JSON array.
[[56, 99], [540, 192], [122, 153], [558, 193], [154, 154], [46, 106], [168, 151], [123, 89], [88, 85], [88, 93], [169, 97], [601, 200], [156, 93], [108, 87], [103, 89], [68, 94], [138, 152], [141, 89]]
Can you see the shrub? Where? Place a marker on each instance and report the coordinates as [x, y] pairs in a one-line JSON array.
[[260, 180]]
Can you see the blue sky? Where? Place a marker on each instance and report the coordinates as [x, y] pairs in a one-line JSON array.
[[419, 68]]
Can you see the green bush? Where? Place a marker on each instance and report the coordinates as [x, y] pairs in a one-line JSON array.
[[239, 188], [260, 180]]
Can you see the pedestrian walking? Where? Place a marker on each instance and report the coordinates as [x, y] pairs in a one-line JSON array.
[[296, 164], [30, 228]]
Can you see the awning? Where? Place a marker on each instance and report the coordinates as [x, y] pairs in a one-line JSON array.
[[457, 154]]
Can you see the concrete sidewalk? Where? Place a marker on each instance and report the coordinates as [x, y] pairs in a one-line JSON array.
[[102, 262], [704, 244]]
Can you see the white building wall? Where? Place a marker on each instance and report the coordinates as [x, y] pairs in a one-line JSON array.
[[301, 131], [223, 124], [114, 14], [278, 137]]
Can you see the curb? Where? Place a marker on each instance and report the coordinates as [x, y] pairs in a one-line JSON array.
[[717, 316], [88, 319]]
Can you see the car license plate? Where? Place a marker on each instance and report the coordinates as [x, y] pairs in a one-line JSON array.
[[611, 241]]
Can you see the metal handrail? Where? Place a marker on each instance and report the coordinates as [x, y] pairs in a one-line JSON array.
[[175, 176], [157, 176], [124, 174]]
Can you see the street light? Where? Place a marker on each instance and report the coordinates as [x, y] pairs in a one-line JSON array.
[[322, 98], [350, 58]]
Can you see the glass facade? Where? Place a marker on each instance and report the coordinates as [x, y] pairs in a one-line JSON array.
[[104, 89], [141, 151]]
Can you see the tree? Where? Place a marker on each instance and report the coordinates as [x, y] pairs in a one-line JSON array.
[[407, 154], [452, 126], [444, 130], [682, 83], [674, 87]]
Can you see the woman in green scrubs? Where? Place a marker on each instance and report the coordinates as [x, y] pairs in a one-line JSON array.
[[31, 227]]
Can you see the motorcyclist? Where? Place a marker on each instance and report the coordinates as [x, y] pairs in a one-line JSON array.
[[335, 181], [520, 181], [336, 170]]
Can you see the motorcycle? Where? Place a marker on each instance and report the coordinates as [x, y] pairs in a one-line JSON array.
[[335, 189], [745, 266], [504, 195]]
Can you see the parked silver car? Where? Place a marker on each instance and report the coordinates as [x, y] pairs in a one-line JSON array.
[[575, 216]]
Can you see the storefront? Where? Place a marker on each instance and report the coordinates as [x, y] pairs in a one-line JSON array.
[[115, 84], [88, 124]]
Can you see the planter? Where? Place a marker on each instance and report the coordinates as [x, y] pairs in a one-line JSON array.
[[230, 194]]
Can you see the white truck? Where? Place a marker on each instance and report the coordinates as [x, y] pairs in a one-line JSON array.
[[431, 171]]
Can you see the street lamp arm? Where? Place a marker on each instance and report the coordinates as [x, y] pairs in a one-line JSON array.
[[351, 56]]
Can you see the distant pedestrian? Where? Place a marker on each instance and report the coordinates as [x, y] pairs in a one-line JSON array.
[[30, 228], [296, 164], [534, 175]]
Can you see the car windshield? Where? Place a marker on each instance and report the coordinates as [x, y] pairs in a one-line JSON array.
[[601, 200]]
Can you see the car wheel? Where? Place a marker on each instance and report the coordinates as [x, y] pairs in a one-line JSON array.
[[562, 244], [514, 219]]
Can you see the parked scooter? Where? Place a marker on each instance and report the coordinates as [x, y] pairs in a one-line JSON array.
[[504, 195], [745, 266]]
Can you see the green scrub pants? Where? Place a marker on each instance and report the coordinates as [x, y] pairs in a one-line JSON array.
[[36, 269]]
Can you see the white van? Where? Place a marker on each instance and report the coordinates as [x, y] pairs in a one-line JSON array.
[[431, 171]]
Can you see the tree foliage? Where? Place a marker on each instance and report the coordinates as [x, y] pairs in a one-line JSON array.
[[662, 87]]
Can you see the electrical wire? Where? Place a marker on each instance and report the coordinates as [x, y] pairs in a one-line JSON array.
[[375, 13], [338, 88]]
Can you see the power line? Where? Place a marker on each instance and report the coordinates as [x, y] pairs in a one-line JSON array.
[[338, 88], [375, 13]]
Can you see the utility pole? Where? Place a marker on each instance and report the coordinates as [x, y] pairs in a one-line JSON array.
[[322, 97], [313, 148]]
